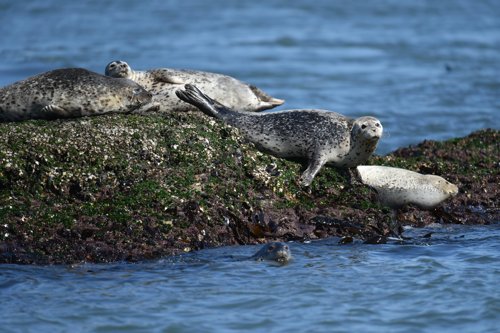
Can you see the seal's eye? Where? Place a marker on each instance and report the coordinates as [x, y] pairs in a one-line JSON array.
[[363, 126], [112, 66], [137, 91], [270, 248], [377, 124]]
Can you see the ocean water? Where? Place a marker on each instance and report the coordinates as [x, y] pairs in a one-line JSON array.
[[426, 69], [446, 283]]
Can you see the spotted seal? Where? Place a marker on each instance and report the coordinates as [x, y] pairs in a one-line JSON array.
[[70, 92], [319, 136], [397, 187], [275, 251], [163, 83]]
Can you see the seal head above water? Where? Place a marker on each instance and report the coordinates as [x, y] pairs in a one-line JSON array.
[[318, 136], [398, 187], [68, 93], [163, 83], [275, 251]]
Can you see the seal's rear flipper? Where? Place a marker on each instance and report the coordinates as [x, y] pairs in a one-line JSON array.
[[196, 97], [266, 102]]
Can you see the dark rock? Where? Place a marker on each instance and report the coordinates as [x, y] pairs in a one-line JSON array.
[[129, 187]]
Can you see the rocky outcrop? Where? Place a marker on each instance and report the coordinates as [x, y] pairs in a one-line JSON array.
[[130, 187]]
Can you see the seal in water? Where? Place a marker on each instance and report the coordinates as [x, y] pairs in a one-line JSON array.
[[163, 83], [275, 251], [320, 136], [397, 187], [68, 93]]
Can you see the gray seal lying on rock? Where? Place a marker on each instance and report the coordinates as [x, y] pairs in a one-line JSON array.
[[274, 251], [68, 93], [163, 83], [319, 136], [397, 187]]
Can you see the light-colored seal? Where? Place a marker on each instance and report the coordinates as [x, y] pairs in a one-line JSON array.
[[397, 187], [67, 93], [275, 251], [319, 136], [163, 83]]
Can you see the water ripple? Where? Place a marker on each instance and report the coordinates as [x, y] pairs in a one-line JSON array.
[[444, 284], [427, 69]]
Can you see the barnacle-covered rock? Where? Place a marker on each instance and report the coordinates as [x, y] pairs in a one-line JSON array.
[[132, 187]]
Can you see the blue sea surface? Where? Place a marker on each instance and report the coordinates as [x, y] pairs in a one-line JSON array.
[[446, 283], [426, 69]]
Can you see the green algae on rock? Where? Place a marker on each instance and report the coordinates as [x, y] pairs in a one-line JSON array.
[[130, 187]]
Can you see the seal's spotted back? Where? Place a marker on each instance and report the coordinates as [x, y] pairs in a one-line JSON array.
[[69, 92], [319, 136], [163, 82]]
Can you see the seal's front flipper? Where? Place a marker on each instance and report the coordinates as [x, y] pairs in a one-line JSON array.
[[315, 164], [149, 107], [166, 76], [54, 111]]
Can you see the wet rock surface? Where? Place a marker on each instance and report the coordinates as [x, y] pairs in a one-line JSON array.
[[130, 187]]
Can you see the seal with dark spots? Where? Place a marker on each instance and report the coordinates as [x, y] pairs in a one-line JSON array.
[[163, 83], [319, 136], [69, 93], [275, 251], [397, 187]]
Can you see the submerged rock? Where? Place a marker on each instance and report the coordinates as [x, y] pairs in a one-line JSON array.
[[131, 187]]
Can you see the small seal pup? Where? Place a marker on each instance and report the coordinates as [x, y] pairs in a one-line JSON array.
[[319, 136], [163, 83], [275, 251], [397, 187], [70, 92]]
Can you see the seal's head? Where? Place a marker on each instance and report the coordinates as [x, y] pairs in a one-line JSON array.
[[140, 96], [367, 128], [275, 251], [136, 95], [118, 68], [448, 189]]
